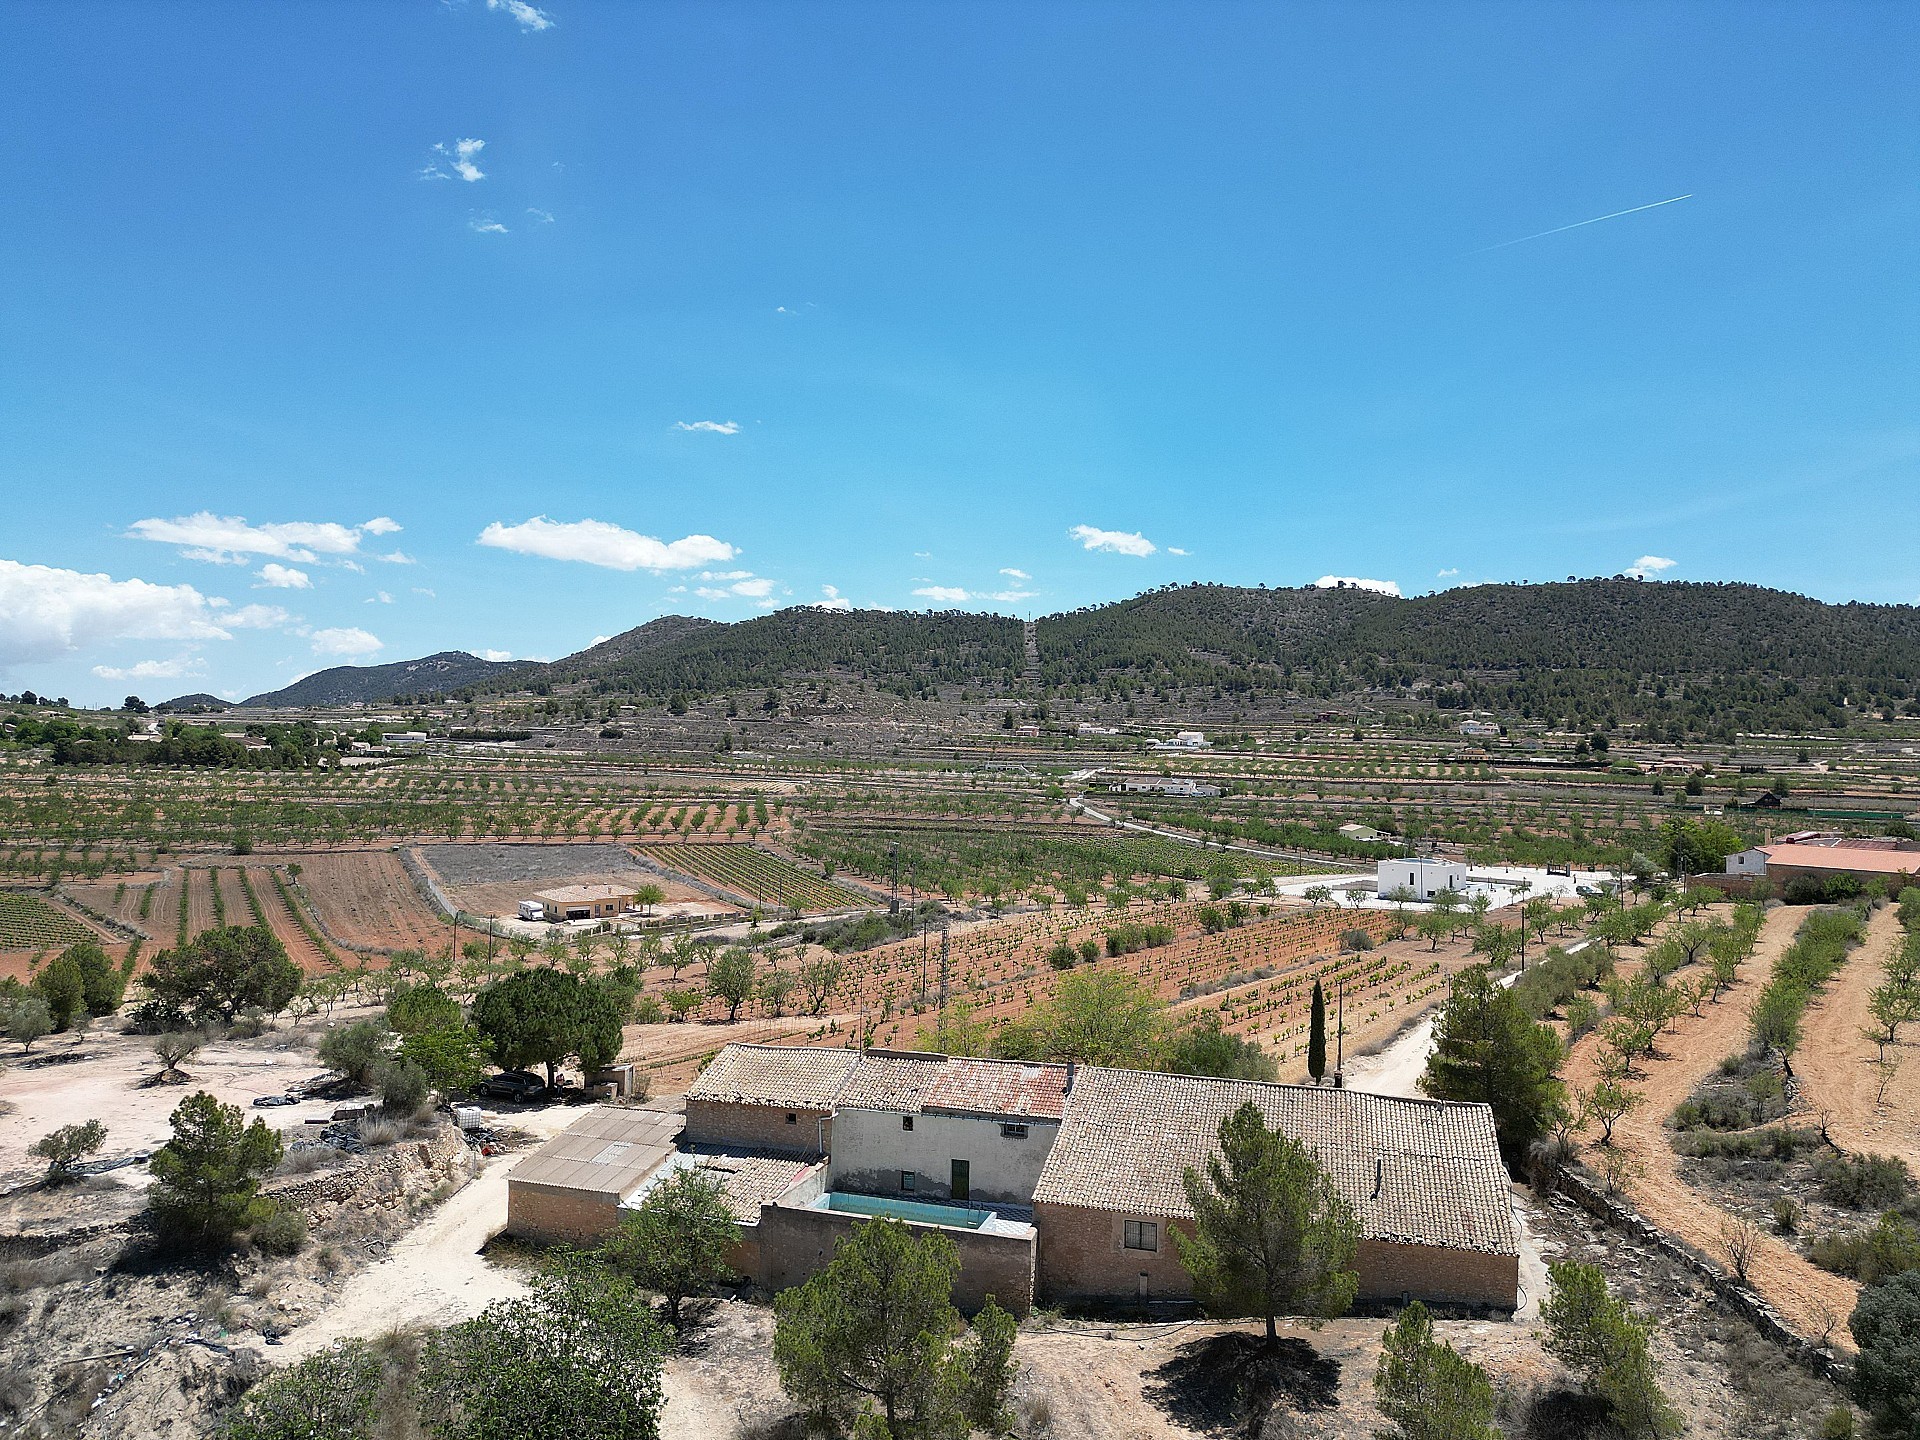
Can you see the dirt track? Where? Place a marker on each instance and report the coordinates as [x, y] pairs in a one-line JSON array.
[[1835, 1063], [1805, 1295]]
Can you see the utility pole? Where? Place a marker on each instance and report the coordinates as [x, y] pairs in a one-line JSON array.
[[1340, 1039], [893, 905], [943, 970]]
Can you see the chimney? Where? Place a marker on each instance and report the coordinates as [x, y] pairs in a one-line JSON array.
[[1379, 1175], [1070, 1069]]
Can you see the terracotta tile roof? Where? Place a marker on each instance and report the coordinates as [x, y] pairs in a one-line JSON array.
[[1834, 857], [753, 1180], [792, 1076], [891, 1080], [1129, 1135], [999, 1087]]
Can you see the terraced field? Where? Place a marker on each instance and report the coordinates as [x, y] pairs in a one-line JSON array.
[[756, 873]]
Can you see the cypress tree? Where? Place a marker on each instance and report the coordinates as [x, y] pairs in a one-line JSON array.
[[1317, 1035]]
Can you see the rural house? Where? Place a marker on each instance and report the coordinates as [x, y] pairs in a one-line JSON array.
[[1056, 1182], [584, 902]]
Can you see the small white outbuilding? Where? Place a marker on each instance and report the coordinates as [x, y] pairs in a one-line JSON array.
[[1425, 878]]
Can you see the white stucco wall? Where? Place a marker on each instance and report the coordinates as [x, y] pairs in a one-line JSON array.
[[870, 1149], [1425, 878]]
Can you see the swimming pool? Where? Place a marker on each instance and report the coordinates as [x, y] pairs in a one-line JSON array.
[[918, 1211]]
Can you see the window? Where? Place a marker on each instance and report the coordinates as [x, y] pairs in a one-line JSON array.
[[1140, 1234], [909, 1182], [906, 1122], [792, 1119], [1013, 1130]]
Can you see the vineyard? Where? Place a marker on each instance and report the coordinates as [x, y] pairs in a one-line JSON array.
[[756, 873], [27, 923], [983, 860]]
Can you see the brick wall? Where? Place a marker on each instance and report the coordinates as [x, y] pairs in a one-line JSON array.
[[796, 1243], [550, 1215], [717, 1122], [1082, 1257]]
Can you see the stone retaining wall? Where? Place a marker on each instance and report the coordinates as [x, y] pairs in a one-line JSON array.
[[1612, 1210], [381, 1178]]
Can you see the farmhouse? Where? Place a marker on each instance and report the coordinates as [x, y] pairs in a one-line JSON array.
[[1059, 1182], [1190, 789], [1425, 878], [1825, 861], [585, 902]]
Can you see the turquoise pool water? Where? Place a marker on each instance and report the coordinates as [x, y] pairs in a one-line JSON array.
[[918, 1211]]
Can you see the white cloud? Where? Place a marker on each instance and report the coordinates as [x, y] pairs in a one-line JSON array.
[[379, 597], [283, 577], [498, 655], [1357, 582], [724, 575], [252, 617], [1175, 550], [1013, 574], [945, 594], [595, 542], [423, 590], [381, 525], [712, 427], [1648, 567], [1114, 542], [757, 588], [540, 217], [485, 225], [396, 557], [345, 641], [153, 669], [1448, 573], [456, 159], [834, 600], [529, 19], [746, 585], [231, 540], [47, 613]]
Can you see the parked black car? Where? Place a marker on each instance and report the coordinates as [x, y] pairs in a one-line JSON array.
[[520, 1085]]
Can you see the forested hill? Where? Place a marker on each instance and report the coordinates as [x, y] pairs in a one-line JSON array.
[[1691, 657], [364, 684]]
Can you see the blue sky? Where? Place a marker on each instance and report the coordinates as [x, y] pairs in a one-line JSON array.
[[737, 305]]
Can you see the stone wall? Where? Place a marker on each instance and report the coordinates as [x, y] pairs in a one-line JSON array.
[[386, 1178], [1083, 1257], [1612, 1210], [795, 1243], [758, 1127]]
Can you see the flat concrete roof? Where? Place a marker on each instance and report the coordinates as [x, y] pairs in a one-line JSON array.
[[607, 1152], [583, 894]]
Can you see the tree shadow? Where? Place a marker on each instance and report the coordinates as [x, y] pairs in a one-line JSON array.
[[1228, 1384]]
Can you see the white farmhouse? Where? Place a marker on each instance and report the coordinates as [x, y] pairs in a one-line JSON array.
[[1425, 878]]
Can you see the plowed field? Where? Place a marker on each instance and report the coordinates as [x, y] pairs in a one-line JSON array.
[[366, 898]]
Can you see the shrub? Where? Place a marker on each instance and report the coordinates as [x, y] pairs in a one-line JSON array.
[[207, 1177], [1886, 1326], [64, 1149], [283, 1232], [335, 1393], [355, 1050], [1863, 1182], [1356, 941], [1890, 1247], [402, 1085]]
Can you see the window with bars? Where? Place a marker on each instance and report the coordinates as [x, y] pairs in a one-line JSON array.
[[1140, 1234]]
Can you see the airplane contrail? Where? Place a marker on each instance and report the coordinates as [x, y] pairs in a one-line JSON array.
[[1578, 223]]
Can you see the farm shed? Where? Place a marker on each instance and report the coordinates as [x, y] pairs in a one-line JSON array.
[[585, 902], [1423, 1176], [1785, 862]]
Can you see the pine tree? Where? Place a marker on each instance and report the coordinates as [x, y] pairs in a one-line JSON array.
[[1317, 1035]]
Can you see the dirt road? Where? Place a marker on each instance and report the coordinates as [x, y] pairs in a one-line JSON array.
[[1836, 1060], [1802, 1292]]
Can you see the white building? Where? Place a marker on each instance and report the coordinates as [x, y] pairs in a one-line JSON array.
[[1425, 878], [1184, 740], [1480, 729], [1747, 862]]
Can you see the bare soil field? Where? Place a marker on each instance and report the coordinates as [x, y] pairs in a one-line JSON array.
[[1866, 1110], [279, 919], [365, 898], [1805, 1295], [199, 883]]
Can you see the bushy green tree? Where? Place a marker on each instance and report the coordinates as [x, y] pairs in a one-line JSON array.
[[1204, 1047], [1886, 1378], [414, 1008], [677, 1240], [869, 1336], [541, 1017], [356, 1049], [1487, 1048], [1428, 1390], [80, 980], [581, 1356], [333, 1395], [1602, 1340], [207, 1176], [219, 973], [452, 1058], [1272, 1235], [731, 977], [28, 1017]]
